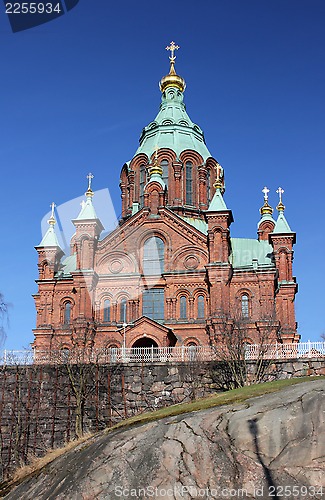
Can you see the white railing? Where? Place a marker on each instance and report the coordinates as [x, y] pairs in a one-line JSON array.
[[160, 354], [285, 351], [25, 357], [128, 355]]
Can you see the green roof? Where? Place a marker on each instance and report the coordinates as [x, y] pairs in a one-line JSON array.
[[87, 210], [282, 225], [217, 203], [50, 239], [199, 224], [245, 251], [172, 128]]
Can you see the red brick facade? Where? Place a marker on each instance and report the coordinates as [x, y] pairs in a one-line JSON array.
[[171, 270]]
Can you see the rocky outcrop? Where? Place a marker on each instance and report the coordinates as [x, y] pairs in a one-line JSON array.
[[251, 450]]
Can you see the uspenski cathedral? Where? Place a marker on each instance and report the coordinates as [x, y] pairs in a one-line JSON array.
[[170, 273]]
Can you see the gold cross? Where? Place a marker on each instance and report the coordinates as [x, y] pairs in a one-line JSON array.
[[89, 177], [172, 47], [266, 192], [53, 205], [218, 169], [280, 192]]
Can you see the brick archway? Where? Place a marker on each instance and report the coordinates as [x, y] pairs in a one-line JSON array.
[[145, 342]]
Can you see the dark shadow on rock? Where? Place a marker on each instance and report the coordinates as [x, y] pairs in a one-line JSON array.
[[253, 429]]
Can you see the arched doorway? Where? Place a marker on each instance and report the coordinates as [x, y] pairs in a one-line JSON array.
[[145, 342]]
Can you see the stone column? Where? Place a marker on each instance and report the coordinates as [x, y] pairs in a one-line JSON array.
[[113, 312], [191, 308], [177, 176], [173, 308], [169, 308], [202, 187], [131, 187], [124, 199]]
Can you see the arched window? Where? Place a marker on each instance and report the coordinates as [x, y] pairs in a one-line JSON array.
[[153, 256], [183, 307], [245, 306], [142, 180], [67, 313], [123, 311], [189, 182], [200, 307], [107, 311], [164, 166]]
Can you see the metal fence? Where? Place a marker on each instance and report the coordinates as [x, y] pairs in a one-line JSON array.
[[160, 354]]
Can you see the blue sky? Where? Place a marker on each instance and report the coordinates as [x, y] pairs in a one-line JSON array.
[[76, 93]]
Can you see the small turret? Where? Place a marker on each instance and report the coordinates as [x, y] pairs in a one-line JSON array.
[[219, 219], [155, 171], [282, 240], [88, 229], [155, 189], [49, 250]]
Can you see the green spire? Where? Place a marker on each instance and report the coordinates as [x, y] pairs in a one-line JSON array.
[[87, 209], [217, 203], [281, 225], [50, 239]]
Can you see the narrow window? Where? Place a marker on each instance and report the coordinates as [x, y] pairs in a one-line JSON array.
[[123, 311], [67, 313], [183, 308], [142, 183], [189, 182], [107, 311], [153, 256], [164, 166], [200, 307], [245, 306]]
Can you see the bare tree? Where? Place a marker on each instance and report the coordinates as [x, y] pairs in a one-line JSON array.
[[81, 362], [233, 336]]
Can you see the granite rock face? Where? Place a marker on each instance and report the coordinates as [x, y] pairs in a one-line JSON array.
[[252, 450]]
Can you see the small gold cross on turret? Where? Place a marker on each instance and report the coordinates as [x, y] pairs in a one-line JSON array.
[[266, 192], [90, 178], [51, 220], [280, 192], [218, 169], [53, 205], [172, 47]]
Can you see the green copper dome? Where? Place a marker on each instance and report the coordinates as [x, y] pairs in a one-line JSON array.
[[173, 128]]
